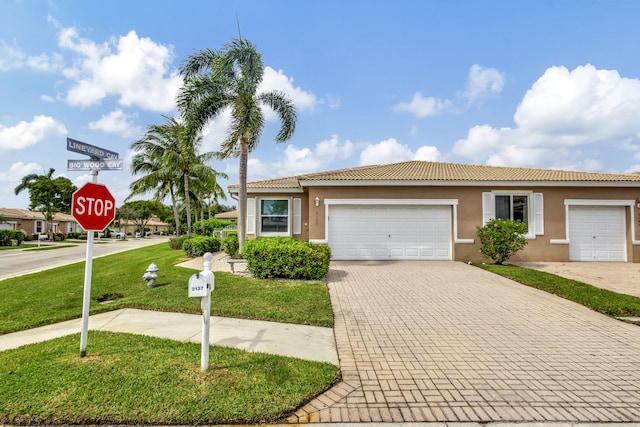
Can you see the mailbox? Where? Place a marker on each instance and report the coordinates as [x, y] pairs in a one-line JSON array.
[[198, 285]]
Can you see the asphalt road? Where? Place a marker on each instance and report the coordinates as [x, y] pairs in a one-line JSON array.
[[18, 262]]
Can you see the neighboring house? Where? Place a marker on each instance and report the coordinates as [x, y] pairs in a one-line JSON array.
[[31, 222], [430, 210], [231, 216], [154, 225]]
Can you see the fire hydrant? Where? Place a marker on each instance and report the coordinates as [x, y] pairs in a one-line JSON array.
[[151, 276]]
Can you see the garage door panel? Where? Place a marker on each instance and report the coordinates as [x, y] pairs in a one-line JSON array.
[[597, 233], [390, 232]]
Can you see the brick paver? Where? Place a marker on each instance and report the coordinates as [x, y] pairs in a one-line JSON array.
[[444, 341]]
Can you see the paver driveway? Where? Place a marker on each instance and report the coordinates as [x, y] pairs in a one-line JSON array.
[[444, 341]]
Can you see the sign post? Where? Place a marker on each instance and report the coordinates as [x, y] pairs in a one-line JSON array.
[[94, 208]]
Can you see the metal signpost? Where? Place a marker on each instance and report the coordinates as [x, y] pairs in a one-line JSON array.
[[94, 207], [200, 285]]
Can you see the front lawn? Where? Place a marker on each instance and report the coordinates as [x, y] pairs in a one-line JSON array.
[[138, 380], [55, 295], [598, 299]]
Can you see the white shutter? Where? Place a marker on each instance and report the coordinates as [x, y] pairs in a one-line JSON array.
[[251, 216], [297, 216], [487, 207], [538, 214]]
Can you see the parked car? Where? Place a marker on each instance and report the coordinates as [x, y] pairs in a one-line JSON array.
[[118, 234]]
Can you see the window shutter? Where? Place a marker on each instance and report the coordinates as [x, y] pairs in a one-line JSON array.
[[538, 214], [487, 207], [297, 216], [251, 216]]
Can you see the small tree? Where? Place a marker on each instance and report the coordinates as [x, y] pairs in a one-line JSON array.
[[502, 238]]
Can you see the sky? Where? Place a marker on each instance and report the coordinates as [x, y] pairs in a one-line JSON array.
[[544, 84]]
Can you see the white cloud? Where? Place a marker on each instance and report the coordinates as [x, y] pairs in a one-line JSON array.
[[563, 109], [17, 171], [391, 151], [26, 134], [482, 82], [134, 69], [117, 122], [47, 98], [423, 107], [297, 161], [13, 58], [277, 80]]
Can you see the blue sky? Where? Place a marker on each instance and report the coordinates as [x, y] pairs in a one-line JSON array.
[[550, 84]]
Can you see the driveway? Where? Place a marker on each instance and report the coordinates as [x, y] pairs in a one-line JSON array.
[[445, 341]]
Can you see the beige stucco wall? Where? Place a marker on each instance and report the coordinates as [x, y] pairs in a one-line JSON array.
[[470, 214]]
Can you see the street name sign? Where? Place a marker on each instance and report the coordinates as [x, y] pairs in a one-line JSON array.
[[101, 164], [90, 150]]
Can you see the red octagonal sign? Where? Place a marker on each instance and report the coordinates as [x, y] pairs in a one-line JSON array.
[[93, 207]]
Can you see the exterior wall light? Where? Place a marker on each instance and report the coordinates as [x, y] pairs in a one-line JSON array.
[[317, 201]]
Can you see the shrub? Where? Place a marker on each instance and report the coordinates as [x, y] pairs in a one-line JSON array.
[[6, 236], [199, 245], [177, 242], [231, 244], [207, 226], [284, 257], [501, 238], [73, 235]]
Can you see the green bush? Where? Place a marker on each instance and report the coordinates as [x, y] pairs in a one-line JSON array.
[[177, 242], [501, 238], [73, 235], [207, 226], [199, 245], [287, 258], [231, 244], [6, 236]]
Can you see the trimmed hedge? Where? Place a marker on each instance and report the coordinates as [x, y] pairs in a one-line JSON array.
[[6, 236], [177, 242], [199, 245], [286, 258], [231, 245]]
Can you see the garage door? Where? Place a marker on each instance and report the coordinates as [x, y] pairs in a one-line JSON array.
[[597, 233], [390, 232]]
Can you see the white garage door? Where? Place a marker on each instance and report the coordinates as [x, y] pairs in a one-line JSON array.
[[390, 232], [597, 233]]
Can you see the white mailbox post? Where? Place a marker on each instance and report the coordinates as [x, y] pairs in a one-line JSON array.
[[200, 285]]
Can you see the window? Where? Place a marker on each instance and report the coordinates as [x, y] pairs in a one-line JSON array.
[[525, 206], [274, 216], [515, 207], [39, 227]]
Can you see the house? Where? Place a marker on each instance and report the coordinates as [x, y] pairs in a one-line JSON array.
[[154, 224], [34, 223], [430, 211], [231, 216]]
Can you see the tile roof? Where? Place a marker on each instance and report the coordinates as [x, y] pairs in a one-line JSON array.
[[418, 170], [12, 213]]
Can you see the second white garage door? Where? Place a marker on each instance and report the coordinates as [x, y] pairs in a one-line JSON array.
[[390, 232], [597, 233]]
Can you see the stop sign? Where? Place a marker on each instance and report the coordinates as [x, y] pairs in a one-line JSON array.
[[93, 207]]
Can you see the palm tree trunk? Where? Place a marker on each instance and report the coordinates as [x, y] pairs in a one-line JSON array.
[[187, 203], [176, 216], [242, 195]]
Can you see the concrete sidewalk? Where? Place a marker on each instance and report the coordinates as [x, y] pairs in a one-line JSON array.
[[300, 341]]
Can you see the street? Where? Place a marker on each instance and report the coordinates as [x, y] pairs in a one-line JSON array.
[[18, 262]]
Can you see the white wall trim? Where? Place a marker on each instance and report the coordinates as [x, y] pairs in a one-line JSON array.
[[421, 202], [395, 202], [319, 241], [597, 202]]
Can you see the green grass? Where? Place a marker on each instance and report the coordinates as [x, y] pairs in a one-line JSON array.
[[131, 379], [598, 299], [22, 246], [55, 295], [48, 248]]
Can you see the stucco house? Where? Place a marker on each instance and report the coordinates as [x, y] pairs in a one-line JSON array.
[[430, 211], [33, 223]]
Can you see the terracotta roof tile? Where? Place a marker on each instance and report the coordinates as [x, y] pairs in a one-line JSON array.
[[418, 170]]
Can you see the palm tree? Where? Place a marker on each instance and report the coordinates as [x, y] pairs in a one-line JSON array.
[[168, 154], [229, 79], [47, 194]]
